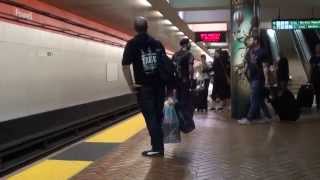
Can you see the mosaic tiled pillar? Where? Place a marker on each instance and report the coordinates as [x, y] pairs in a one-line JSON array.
[[244, 25]]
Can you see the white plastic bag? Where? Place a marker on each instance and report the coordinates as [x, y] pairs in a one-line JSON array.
[[170, 127]]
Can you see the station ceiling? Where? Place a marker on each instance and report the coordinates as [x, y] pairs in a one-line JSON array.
[[120, 15], [269, 9], [225, 4], [164, 22]]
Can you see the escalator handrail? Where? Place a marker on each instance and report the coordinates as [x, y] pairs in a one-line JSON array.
[[302, 50]]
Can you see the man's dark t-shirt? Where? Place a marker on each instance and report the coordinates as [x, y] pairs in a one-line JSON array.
[[141, 53], [315, 74], [255, 59]]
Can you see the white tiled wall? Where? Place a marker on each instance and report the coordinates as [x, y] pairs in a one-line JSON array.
[[32, 82]]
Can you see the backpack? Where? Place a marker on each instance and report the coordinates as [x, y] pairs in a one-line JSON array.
[[181, 62]]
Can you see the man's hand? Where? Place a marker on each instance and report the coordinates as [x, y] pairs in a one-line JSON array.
[[134, 87]]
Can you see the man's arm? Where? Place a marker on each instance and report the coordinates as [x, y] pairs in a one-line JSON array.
[[126, 62], [265, 67], [127, 75]]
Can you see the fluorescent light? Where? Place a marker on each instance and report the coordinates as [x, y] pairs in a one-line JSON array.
[[144, 3], [208, 27], [157, 14], [180, 33], [167, 22], [174, 28], [219, 44], [181, 14]]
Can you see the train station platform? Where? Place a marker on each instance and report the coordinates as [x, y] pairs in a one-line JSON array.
[[218, 149]]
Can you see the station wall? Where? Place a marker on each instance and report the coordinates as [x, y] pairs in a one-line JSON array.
[[42, 71]]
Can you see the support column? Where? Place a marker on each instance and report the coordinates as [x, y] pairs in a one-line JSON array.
[[244, 25]]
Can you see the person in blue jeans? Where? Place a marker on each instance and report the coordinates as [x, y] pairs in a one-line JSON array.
[[256, 73]]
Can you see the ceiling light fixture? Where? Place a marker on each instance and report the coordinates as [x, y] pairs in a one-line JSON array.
[[208, 27], [174, 28], [167, 22], [157, 14], [144, 3], [180, 33]]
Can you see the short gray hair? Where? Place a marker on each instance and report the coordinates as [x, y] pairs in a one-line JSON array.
[[141, 24]]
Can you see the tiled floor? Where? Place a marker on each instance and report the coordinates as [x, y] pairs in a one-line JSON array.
[[220, 149]]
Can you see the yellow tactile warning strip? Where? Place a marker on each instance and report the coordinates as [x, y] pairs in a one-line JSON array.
[[52, 170], [66, 168], [120, 132]]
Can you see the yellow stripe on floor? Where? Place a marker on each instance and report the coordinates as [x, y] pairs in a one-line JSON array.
[[120, 132], [52, 170]]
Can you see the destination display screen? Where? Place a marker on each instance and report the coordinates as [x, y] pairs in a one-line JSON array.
[[295, 24], [211, 37]]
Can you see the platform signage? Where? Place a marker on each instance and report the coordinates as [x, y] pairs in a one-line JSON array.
[[209, 37], [296, 24]]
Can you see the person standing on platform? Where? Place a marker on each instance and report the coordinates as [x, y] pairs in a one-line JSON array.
[[141, 52], [206, 77], [256, 73], [315, 73], [184, 60], [283, 73], [220, 83]]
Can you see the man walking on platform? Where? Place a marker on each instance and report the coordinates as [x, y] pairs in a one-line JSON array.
[[142, 53], [256, 74]]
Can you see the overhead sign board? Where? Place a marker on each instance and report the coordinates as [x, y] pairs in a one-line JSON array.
[[209, 37], [296, 24]]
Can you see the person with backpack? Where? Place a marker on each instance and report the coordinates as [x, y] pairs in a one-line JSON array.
[[184, 60], [256, 73], [315, 74], [144, 53]]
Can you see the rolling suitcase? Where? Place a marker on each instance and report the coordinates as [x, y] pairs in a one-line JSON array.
[[306, 96], [286, 106]]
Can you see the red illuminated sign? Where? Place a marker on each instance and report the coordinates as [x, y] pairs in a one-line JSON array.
[[210, 37]]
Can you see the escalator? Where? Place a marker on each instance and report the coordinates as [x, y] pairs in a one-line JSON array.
[[312, 38], [303, 50], [292, 48], [297, 46]]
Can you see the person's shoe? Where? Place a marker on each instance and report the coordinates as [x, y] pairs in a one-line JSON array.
[[244, 121], [152, 153]]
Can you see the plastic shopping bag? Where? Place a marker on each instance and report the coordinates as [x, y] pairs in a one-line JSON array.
[[171, 128]]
